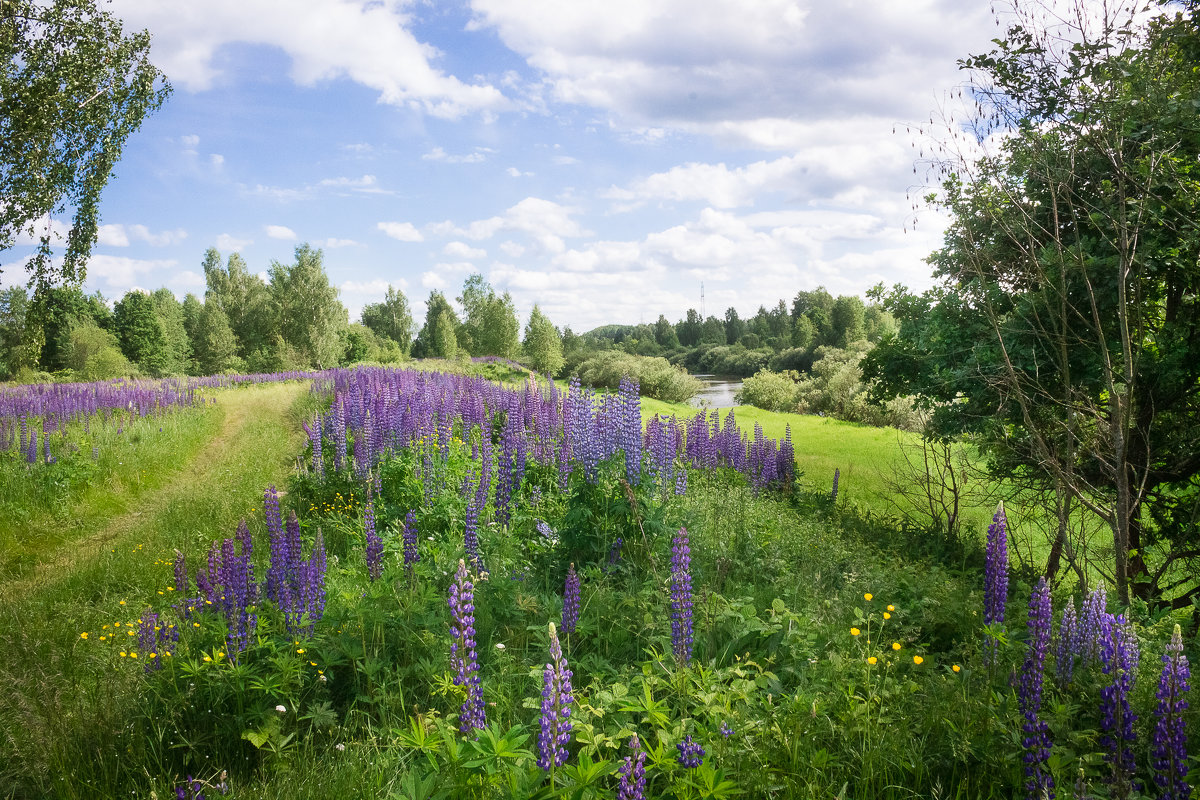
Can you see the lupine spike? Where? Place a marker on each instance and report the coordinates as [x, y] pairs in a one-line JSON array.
[[681, 598], [1170, 732], [556, 708]]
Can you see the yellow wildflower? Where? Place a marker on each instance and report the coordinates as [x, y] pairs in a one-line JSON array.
[[872, 660], [855, 631], [83, 635], [868, 597], [918, 660], [895, 645]]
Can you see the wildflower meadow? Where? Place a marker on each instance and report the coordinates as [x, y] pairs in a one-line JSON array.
[[456, 587]]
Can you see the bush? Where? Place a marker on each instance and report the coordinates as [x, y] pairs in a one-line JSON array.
[[773, 391], [95, 355], [655, 376]]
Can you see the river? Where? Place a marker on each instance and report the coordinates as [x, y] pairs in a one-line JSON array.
[[716, 391]]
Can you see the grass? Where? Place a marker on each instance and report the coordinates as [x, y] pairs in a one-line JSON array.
[[57, 686]]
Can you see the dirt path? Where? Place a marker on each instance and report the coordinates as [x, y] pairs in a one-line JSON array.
[[244, 410]]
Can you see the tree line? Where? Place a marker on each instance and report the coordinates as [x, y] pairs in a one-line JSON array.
[[292, 320]]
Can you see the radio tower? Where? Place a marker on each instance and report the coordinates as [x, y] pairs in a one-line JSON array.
[[702, 317]]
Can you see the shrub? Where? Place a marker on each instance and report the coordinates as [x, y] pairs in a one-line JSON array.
[[655, 376], [773, 391]]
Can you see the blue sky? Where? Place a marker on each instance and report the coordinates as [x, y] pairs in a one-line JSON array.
[[599, 159]]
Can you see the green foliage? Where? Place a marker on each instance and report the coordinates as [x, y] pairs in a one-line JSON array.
[[140, 333], [391, 319], [772, 391], [73, 87], [438, 336], [171, 319], [20, 344], [490, 327], [306, 311], [244, 299], [655, 376], [95, 354], [543, 345], [213, 341]]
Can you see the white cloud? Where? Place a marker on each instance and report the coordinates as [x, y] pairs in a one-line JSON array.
[[333, 243], [377, 288], [371, 44], [513, 172], [123, 235], [463, 250], [512, 249], [216, 159], [31, 233], [545, 221], [367, 184], [120, 273], [431, 280], [188, 279], [564, 161], [280, 232], [112, 236], [228, 242], [746, 71], [404, 231], [474, 157], [190, 141]]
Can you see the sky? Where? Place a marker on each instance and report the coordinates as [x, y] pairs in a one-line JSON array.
[[610, 161]]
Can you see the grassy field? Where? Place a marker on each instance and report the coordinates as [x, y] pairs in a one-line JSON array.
[[835, 655], [192, 487]]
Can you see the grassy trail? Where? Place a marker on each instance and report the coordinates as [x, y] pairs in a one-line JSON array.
[[251, 417], [67, 699]]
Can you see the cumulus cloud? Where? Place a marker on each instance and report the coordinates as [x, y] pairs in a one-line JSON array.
[[546, 222], [463, 250], [372, 44], [228, 242], [123, 235], [404, 231], [121, 274], [334, 243], [474, 157], [747, 71], [280, 232], [367, 184]]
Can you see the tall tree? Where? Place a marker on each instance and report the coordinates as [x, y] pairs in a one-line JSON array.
[[140, 333], [306, 309], [438, 336], [391, 319], [1064, 333], [848, 320], [244, 298], [20, 338], [664, 334], [687, 330], [490, 327], [73, 87], [735, 328], [214, 343], [170, 317], [543, 345]]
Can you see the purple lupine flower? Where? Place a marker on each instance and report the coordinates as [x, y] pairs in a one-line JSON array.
[[995, 587], [277, 571], [726, 730], [374, 544], [681, 480], [464, 660], [1119, 657], [1068, 633], [314, 439], [632, 785], [614, 554], [1092, 631], [556, 708], [691, 754], [181, 576], [411, 556], [1039, 782], [471, 535], [570, 612], [1170, 735], [681, 598]]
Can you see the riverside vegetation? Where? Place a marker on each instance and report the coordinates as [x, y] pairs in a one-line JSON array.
[[471, 589]]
